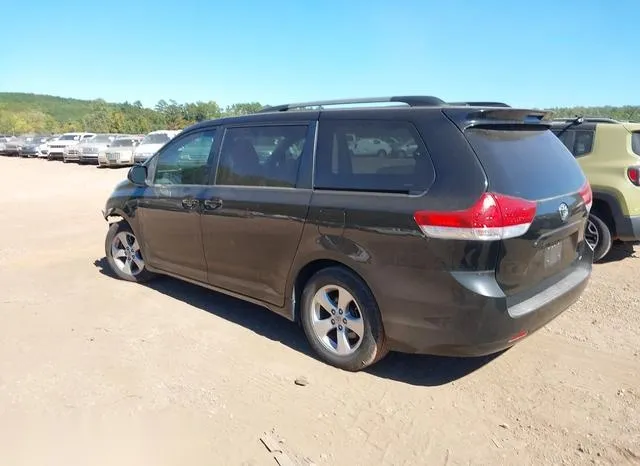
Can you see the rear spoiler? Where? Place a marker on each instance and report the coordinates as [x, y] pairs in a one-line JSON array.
[[465, 118]]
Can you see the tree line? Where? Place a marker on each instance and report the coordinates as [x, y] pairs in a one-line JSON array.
[[33, 113], [104, 117]]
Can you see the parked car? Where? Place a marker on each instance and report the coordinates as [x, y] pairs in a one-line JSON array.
[[368, 146], [3, 143], [12, 146], [462, 249], [86, 151], [55, 149], [119, 153], [43, 152], [33, 146], [608, 152], [151, 143]]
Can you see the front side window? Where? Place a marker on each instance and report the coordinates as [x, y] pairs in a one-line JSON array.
[[261, 156], [185, 160], [370, 155]]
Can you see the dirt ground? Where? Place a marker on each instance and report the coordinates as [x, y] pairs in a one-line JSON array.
[[96, 371]]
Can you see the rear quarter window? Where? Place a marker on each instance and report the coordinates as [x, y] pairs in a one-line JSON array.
[[528, 163], [635, 142], [372, 155]]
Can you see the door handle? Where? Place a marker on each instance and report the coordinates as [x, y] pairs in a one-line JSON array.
[[189, 203], [212, 204]]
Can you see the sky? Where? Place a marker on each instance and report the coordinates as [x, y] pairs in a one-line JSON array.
[[545, 53]]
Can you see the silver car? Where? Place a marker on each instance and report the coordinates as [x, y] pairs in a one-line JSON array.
[[119, 153], [86, 151]]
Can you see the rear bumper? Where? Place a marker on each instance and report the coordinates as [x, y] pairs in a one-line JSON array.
[[628, 228], [477, 325]]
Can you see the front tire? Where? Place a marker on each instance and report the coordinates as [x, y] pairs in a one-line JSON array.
[[341, 320], [124, 254], [382, 153], [598, 237]]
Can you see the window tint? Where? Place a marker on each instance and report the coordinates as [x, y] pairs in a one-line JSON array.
[[635, 143], [185, 160], [579, 142], [527, 163], [379, 156], [261, 156], [583, 143], [566, 137]]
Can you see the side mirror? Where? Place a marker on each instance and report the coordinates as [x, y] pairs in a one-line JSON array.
[[138, 175]]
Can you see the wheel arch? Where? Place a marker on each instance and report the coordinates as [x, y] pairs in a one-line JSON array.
[[607, 208], [308, 270]]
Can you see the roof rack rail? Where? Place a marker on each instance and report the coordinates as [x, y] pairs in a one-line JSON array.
[[412, 101], [480, 104], [590, 119]]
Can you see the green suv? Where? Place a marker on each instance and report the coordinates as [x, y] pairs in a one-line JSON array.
[[609, 153]]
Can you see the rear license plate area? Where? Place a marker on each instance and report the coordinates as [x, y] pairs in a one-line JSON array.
[[552, 255]]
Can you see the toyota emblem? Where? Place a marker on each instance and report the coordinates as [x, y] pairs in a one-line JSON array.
[[563, 210]]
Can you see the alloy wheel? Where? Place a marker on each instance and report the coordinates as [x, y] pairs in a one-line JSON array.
[[592, 235], [336, 320], [126, 253]]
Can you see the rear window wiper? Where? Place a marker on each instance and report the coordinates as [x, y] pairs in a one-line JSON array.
[[576, 121]]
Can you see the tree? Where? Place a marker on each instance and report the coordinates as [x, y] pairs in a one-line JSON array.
[[243, 108]]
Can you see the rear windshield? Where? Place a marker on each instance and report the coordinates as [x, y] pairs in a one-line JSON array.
[[635, 142], [528, 163]]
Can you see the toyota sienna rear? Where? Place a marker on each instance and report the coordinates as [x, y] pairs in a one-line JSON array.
[[464, 245]]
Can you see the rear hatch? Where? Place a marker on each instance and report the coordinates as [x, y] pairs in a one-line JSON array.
[[528, 165]]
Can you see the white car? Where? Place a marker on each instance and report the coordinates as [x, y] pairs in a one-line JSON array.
[[43, 149], [119, 153], [369, 146], [151, 143], [55, 149]]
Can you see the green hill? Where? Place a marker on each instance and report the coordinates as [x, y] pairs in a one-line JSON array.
[[22, 112], [61, 109]]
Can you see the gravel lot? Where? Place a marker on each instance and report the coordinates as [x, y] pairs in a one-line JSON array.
[[94, 370]]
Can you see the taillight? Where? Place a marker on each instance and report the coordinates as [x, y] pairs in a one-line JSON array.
[[633, 173], [587, 195], [493, 217]]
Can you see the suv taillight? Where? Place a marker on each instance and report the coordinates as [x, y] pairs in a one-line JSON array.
[[587, 195], [493, 217], [633, 173]]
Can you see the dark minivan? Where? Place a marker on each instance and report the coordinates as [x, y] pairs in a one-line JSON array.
[[465, 244]]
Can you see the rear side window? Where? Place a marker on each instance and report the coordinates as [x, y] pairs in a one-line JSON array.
[[372, 155], [528, 163], [583, 143], [566, 137], [579, 142], [261, 156], [635, 142]]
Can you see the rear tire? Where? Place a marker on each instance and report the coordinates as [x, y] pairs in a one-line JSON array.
[[341, 320], [598, 236], [124, 254]]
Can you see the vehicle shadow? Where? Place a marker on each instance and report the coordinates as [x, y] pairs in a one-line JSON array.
[[421, 370], [620, 251]]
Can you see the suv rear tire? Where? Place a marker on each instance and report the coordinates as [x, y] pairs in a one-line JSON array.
[[341, 320], [124, 254], [600, 233]]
